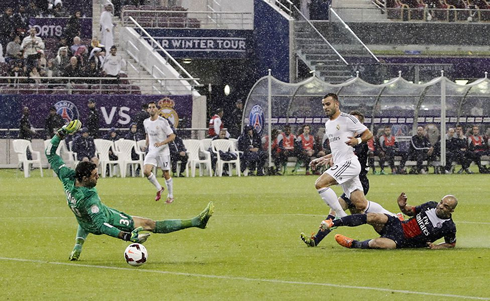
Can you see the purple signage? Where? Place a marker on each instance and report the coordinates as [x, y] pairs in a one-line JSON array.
[[54, 27], [114, 110]]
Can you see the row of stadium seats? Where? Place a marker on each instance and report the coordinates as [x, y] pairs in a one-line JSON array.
[[74, 89], [160, 16]]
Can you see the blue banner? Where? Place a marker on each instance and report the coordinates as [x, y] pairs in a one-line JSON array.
[[54, 27], [114, 110], [202, 43]]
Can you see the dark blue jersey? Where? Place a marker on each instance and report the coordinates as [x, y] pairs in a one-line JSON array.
[[424, 227]]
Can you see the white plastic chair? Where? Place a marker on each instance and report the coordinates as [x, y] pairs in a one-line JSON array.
[[102, 147], [194, 148], [73, 154], [225, 146], [123, 151], [20, 148]]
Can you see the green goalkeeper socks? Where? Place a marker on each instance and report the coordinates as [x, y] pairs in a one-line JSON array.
[[171, 225]]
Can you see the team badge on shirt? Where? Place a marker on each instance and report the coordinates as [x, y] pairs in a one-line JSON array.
[[167, 110], [94, 209]]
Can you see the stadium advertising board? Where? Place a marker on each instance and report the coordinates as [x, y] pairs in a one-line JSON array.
[[114, 110], [201, 43], [54, 27]]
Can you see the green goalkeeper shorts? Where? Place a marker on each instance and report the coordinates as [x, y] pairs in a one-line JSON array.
[[121, 220]]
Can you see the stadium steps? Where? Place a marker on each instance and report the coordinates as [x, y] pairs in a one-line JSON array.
[[133, 69], [318, 56]]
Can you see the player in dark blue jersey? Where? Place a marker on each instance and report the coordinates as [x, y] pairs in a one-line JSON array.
[[429, 222]]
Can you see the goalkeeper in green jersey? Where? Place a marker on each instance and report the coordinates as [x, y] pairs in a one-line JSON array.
[[95, 217]]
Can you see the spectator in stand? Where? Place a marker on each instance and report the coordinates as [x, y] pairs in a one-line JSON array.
[[459, 148], [225, 156], [2, 59], [59, 11], [94, 43], [140, 117], [236, 119], [73, 69], [13, 51], [73, 27], [82, 55], [389, 148], [63, 43], [34, 76], [254, 157], [77, 42], [21, 21], [60, 62], [285, 142], [42, 63], [113, 63], [420, 150], [477, 148], [7, 27], [31, 45], [52, 123], [93, 119], [17, 70], [84, 146], [107, 27], [32, 10], [306, 148], [216, 124], [113, 136], [97, 58], [92, 71], [178, 152]]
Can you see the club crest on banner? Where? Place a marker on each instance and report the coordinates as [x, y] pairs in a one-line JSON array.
[[167, 110], [67, 110], [256, 118]]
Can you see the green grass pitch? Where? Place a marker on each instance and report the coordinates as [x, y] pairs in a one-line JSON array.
[[251, 249]]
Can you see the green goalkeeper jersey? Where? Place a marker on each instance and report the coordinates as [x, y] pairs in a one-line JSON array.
[[92, 215]]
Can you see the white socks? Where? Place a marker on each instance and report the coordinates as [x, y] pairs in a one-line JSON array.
[[373, 207], [330, 198], [153, 180], [170, 187]]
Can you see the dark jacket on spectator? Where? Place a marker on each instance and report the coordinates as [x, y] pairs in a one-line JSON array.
[[84, 147]]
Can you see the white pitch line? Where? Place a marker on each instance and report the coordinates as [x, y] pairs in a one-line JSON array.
[[249, 279]]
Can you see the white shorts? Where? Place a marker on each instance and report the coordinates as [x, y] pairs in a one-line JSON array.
[[158, 160], [346, 174]]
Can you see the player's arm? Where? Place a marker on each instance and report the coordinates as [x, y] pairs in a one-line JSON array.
[[169, 139], [325, 160], [365, 136], [54, 160], [442, 245], [404, 207]]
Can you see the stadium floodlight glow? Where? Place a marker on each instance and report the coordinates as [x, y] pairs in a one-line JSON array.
[[227, 90]]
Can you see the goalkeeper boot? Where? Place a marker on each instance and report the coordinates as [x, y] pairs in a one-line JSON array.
[[308, 240], [75, 254], [344, 241], [205, 215]]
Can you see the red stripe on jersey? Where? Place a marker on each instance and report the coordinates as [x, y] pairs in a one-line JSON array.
[[411, 228]]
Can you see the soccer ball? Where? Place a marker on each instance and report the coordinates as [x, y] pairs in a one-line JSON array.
[[136, 254]]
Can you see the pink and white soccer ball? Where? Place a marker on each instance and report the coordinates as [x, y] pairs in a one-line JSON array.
[[135, 254]]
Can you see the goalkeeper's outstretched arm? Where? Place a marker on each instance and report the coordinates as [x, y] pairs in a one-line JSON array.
[[54, 160]]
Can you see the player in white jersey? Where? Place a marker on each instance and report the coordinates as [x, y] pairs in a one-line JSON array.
[[341, 130], [159, 134]]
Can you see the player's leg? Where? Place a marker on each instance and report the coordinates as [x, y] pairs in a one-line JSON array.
[[172, 225], [165, 166], [323, 184], [377, 243], [79, 240], [150, 162]]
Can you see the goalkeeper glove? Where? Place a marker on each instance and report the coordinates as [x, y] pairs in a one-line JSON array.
[[70, 128], [135, 236]]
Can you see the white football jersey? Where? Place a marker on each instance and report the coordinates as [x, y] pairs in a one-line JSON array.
[[338, 131], [157, 131]]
